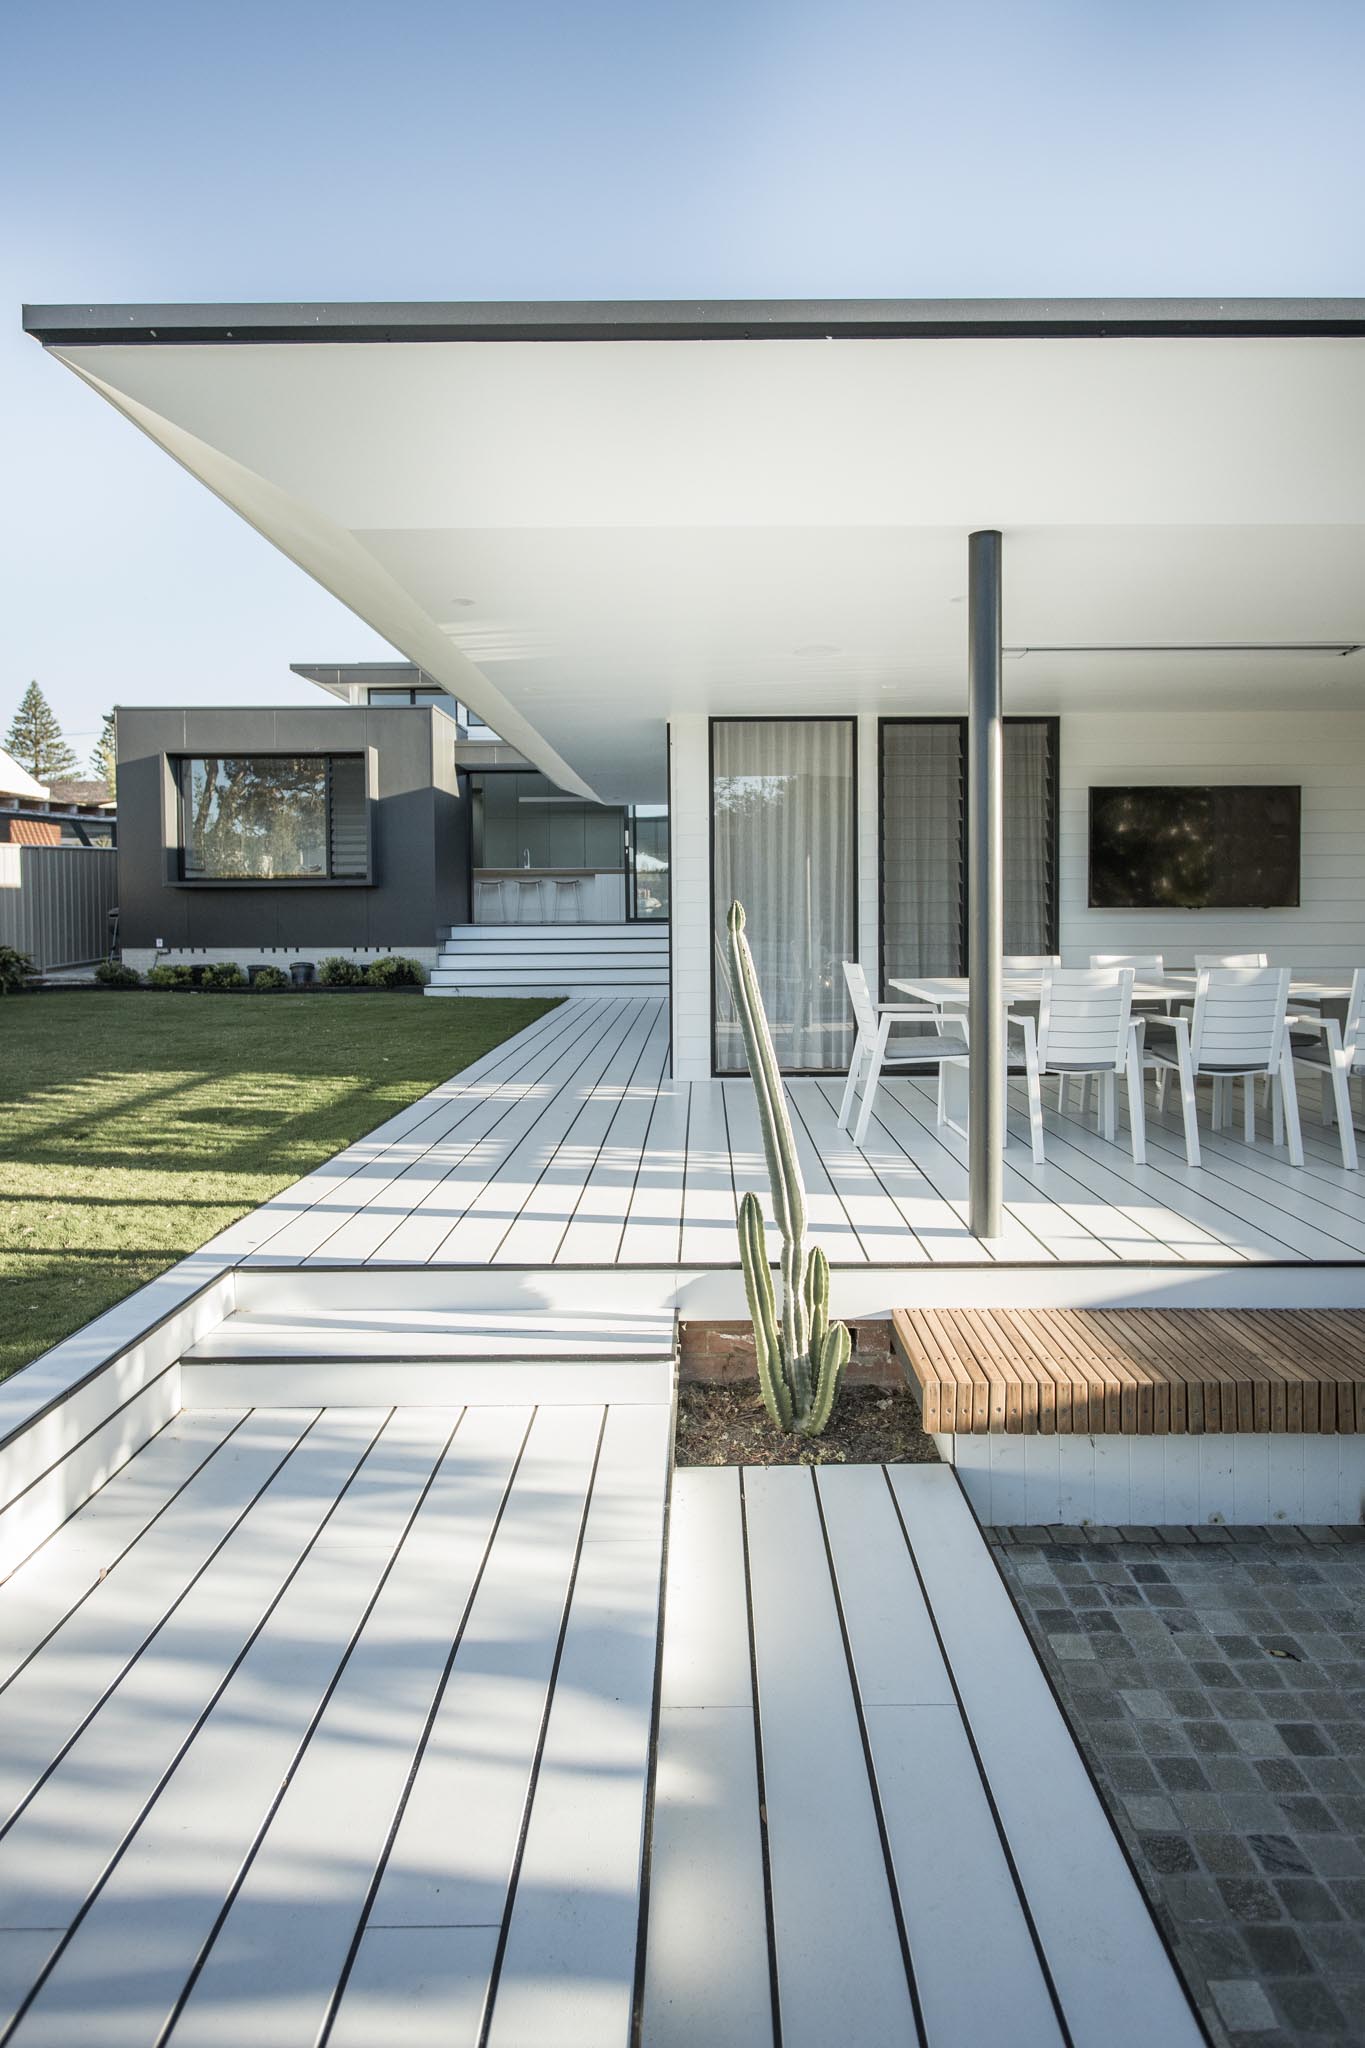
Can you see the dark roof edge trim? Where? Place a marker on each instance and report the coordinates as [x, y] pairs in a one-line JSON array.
[[683, 320]]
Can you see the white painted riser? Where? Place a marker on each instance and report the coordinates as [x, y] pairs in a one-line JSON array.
[[358, 1328], [857, 1292], [1111, 1481], [425, 1383]]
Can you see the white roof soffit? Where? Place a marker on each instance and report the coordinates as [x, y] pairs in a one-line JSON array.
[[581, 537]]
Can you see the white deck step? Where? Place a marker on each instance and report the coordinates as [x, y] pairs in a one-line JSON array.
[[553, 959], [255, 1336], [433, 1358]]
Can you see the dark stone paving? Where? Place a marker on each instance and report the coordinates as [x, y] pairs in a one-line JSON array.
[[1215, 1679]]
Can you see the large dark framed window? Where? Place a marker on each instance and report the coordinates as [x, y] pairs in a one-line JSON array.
[[923, 834], [784, 809], [262, 818]]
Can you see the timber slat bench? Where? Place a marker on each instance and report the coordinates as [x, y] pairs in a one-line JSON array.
[[1145, 1415]]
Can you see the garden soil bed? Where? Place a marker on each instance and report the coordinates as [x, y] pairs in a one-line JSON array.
[[727, 1424]]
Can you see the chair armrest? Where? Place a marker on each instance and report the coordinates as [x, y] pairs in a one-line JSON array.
[[905, 1010]]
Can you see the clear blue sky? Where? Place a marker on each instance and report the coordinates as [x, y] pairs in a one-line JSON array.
[[319, 149]]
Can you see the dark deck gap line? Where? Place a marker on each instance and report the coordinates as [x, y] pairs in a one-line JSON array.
[[649, 1040], [826, 1091], [458, 1083], [514, 1878], [147, 1640], [760, 1780], [449, 1131], [590, 1024], [637, 1021], [969, 1732], [133, 1541], [300, 1749], [834, 1185], [183, 1747], [419, 1752], [637, 1997], [80, 1442], [883, 1835], [665, 1081], [587, 1025]]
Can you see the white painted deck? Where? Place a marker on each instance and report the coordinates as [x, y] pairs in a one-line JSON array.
[[567, 1148], [333, 1726], [870, 1821]]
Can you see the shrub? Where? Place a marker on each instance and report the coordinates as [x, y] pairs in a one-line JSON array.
[[171, 974], [113, 974], [335, 972], [223, 974], [266, 978], [15, 969], [393, 972]]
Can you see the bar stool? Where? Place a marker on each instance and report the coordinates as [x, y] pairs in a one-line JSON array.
[[568, 903]]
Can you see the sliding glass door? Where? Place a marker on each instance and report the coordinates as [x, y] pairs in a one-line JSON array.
[[924, 845], [783, 825]]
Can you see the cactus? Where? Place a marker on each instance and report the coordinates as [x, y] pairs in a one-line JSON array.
[[801, 1359]]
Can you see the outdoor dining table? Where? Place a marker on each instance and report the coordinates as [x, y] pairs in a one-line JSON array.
[[951, 991], [1024, 987]]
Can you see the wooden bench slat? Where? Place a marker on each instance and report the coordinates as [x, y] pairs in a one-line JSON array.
[[1136, 1372]]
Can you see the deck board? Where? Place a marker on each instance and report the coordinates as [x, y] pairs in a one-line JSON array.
[[569, 1146], [894, 1684], [412, 1686]]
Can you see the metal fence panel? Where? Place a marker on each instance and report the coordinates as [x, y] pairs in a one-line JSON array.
[[55, 902]]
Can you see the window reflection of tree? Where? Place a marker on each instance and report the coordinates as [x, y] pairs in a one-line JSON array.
[[259, 817]]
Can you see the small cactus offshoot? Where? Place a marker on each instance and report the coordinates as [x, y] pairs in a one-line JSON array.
[[801, 1359]]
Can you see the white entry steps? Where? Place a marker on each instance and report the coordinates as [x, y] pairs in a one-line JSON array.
[[552, 959]]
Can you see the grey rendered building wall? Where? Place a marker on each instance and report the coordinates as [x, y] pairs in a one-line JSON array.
[[420, 837]]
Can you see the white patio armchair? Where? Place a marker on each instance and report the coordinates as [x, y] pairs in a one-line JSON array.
[[873, 1054], [1337, 1054], [1086, 1030], [1141, 964], [1238, 1032]]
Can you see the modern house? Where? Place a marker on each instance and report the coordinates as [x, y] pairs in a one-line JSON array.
[[715, 559], [390, 822], [944, 633]]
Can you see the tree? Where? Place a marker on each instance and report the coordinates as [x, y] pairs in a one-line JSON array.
[[35, 739], [104, 754]]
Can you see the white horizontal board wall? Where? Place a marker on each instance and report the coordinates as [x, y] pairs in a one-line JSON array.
[[1323, 752], [1255, 1478]]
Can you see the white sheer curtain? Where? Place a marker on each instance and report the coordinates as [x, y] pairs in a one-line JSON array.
[[782, 801]]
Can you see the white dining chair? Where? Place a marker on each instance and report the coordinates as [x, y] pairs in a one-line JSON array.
[[872, 1054], [1086, 1028], [1238, 1032], [1337, 1055], [1221, 1088], [1030, 963], [1141, 964]]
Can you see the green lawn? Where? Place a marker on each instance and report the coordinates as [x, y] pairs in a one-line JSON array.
[[134, 1127]]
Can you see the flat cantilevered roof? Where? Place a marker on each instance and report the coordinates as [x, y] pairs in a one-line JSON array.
[[580, 522]]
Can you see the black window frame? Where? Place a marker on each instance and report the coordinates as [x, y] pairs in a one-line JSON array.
[[848, 718], [1054, 724], [177, 764]]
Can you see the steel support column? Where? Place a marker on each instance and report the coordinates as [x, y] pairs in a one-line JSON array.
[[985, 884]]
